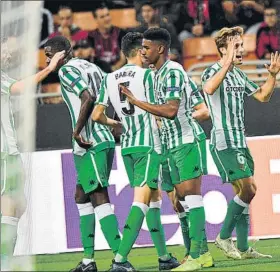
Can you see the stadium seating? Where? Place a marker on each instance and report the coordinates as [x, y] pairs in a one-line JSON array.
[[123, 18], [204, 50]]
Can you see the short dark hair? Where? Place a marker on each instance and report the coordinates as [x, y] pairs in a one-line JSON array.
[[131, 42], [58, 43], [100, 6], [160, 35]]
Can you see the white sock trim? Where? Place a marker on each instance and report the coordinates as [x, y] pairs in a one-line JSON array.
[[238, 201], [103, 210], [246, 210], [142, 206], [87, 261], [194, 201], [181, 215], [85, 209], [185, 206], [156, 204], [9, 220]]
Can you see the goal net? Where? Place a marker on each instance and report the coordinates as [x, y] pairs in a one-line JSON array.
[[20, 30]]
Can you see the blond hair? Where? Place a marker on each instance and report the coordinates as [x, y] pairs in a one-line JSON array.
[[223, 35]]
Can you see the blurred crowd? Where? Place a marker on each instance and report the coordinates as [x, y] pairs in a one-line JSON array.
[[184, 19]]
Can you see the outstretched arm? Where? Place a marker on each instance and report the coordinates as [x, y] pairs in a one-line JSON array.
[[265, 91], [168, 110], [18, 86]]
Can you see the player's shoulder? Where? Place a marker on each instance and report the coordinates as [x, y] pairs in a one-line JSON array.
[[173, 65], [214, 67]]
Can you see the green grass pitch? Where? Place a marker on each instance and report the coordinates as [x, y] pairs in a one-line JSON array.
[[145, 259]]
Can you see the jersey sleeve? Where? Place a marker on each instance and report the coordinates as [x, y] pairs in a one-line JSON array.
[[149, 87], [174, 85], [72, 79], [6, 83], [103, 97], [250, 87], [196, 97], [207, 74]]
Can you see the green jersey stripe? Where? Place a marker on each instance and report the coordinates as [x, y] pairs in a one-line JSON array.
[[142, 128], [133, 128]]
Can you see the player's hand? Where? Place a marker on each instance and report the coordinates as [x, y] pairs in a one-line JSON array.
[[116, 128], [231, 51], [55, 60], [81, 142], [274, 66], [130, 97]]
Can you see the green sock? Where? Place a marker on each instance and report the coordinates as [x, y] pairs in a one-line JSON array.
[[131, 230], [109, 226], [233, 214], [204, 245], [242, 231], [197, 226], [87, 229], [9, 227], [156, 230], [184, 222]]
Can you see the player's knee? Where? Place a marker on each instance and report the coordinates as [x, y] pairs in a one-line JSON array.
[[248, 193], [99, 196]]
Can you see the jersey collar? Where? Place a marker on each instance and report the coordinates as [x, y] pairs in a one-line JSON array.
[[162, 67]]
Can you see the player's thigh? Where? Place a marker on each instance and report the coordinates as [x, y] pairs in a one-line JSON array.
[[90, 172], [187, 161], [231, 163], [146, 169], [203, 156], [12, 186]]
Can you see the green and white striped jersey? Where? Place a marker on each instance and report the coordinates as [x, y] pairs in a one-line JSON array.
[[137, 133], [8, 132], [226, 107], [196, 99], [172, 82], [76, 76]]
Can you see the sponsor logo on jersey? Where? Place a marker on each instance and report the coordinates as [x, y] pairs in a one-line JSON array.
[[235, 89], [173, 89]]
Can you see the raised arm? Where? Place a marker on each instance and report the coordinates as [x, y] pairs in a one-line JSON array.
[[213, 83], [265, 91], [18, 86]]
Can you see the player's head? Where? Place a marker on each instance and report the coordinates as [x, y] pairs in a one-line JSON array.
[[270, 16], [102, 16], [65, 16], [131, 45], [222, 39], [156, 43], [57, 44]]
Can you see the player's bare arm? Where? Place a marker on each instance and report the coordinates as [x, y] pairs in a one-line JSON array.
[[99, 116], [87, 102], [214, 82], [168, 110], [18, 86], [266, 90], [201, 112]]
